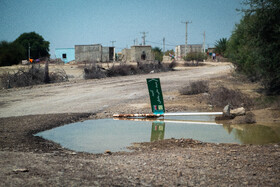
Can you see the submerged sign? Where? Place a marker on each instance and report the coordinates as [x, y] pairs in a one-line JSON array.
[[158, 129], [156, 96]]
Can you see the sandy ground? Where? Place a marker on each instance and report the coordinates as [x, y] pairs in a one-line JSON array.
[[32, 161]]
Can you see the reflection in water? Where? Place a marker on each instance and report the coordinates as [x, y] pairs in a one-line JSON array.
[[254, 134], [96, 136], [158, 129]]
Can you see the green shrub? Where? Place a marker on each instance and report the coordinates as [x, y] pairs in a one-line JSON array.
[[255, 42], [195, 56]]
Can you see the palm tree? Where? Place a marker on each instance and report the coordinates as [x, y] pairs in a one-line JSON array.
[[221, 46]]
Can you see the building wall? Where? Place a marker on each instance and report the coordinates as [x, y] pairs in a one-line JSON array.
[[88, 53], [65, 54], [126, 55], [93, 53], [180, 49], [138, 51], [107, 54]]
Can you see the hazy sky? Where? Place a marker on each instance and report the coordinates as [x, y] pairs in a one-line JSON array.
[[65, 23]]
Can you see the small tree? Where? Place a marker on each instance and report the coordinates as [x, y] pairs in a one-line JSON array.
[[157, 53], [38, 46], [10, 53], [195, 56], [169, 52], [255, 42], [221, 46]]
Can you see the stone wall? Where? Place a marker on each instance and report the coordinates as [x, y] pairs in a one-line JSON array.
[[88, 53], [105, 54], [126, 55]]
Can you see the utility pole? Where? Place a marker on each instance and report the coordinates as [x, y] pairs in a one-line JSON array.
[[134, 42], [204, 42], [163, 44], [114, 55], [28, 51], [143, 37], [186, 42]]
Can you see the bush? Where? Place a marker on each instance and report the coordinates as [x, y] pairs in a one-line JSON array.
[[222, 96], [152, 67], [121, 70], [195, 56], [31, 76], [195, 88], [59, 75], [254, 44], [172, 65], [93, 72]]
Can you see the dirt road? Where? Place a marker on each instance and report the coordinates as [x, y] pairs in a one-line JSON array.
[[91, 96]]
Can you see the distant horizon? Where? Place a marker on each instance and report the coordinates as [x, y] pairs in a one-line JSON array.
[[67, 23]]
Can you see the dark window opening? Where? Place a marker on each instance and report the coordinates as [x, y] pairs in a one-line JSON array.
[[64, 55], [143, 56], [111, 53]]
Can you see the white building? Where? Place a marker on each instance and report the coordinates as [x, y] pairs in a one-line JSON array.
[[191, 48]]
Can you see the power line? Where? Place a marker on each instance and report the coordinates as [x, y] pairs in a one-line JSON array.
[[159, 43], [112, 43]]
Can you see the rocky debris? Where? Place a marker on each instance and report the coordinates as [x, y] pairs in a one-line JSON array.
[[226, 111], [107, 152], [238, 111], [249, 118], [17, 170]]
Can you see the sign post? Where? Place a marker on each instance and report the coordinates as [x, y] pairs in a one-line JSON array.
[[156, 96]]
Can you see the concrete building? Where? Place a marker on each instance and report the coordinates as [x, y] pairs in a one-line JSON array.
[[65, 54], [125, 56], [107, 54], [94, 52], [137, 53], [180, 49]]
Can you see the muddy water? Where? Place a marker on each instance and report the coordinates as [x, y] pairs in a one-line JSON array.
[[96, 136]]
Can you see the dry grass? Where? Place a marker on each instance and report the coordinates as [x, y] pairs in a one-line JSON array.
[[222, 96], [121, 70], [195, 88], [32, 76], [92, 71]]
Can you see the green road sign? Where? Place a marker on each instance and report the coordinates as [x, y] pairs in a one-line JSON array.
[[156, 96]]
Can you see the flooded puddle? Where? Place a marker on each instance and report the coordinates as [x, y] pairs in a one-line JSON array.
[[96, 136]]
